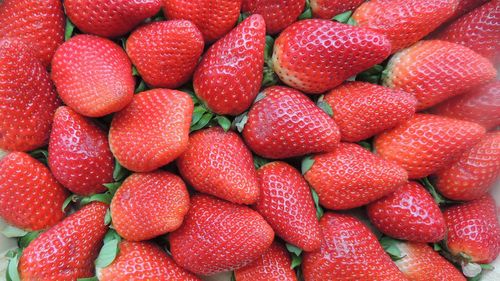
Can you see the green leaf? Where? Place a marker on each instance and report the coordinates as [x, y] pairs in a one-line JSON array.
[[113, 187], [296, 261], [141, 87], [319, 210], [366, 145], [123, 40], [204, 120], [259, 161], [159, 16], [12, 272], [134, 71], [486, 266], [437, 247], [111, 235], [197, 114], [351, 21], [119, 172], [224, 122], [24, 241], [293, 249], [109, 250], [269, 78], [10, 231], [259, 97], [242, 17], [233, 277], [390, 246], [268, 51], [41, 155], [306, 14], [88, 279], [432, 190], [343, 18], [69, 200], [325, 106], [70, 28], [107, 217], [240, 121], [307, 163], [475, 278], [101, 197], [371, 75]]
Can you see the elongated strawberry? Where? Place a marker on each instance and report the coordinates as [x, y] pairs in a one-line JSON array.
[[286, 123], [153, 130], [316, 55], [427, 143], [327, 9], [93, 75], [229, 76], [219, 236], [436, 70], [79, 155], [465, 6], [278, 14], [66, 251], [219, 163]]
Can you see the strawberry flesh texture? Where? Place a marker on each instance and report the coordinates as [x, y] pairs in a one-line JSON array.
[[278, 14], [327, 9]]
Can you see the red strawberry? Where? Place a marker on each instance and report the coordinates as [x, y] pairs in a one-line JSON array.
[[219, 236], [66, 251], [153, 130], [410, 213], [473, 229], [278, 123], [474, 173], [436, 70], [427, 143], [219, 163], [27, 97], [39, 24], [285, 202], [229, 76], [362, 110], [278, 14], [316, 55], [165, 53], [349, 251], [79, 155], [327, 9], [351, 176], [110, 18], [30, 197], [465, 6], [148, 205], [214, 18], [93, 75]]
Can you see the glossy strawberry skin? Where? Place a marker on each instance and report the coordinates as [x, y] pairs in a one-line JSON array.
[[219, 163], [109, 18], [427, 143], [286, 203], [79, 154], [93, 75], [219, 236], [278, 122], [27, 96], [278, 14], [153, 130], [30, 197], [166, 53], [66, 251], [362, 110], [351, 176], [316, 55], [465, 6], [229, 75], [327, 9], [410, 213], [435, 70]]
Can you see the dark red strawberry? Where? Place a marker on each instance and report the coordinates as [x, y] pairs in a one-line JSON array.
[[278, 14], [465, 6], [327, 9]]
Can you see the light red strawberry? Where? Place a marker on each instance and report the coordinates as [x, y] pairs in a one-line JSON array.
[[219, 163], [278, 14], [465, 6], [327, 9], [153, 130]]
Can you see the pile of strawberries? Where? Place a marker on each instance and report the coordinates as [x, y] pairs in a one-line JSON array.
[[278, 139]]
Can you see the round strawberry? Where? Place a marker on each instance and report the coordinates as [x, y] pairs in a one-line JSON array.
[[327, 9], [278, 14]]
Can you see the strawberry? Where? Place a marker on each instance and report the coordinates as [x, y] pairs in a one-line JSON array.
[[473, 229], [436, 70], [474, 173], [153, 130], [351, 176], [410, 213], [93, 75], [278, 122], [148, 205], [28, 99], [362, 110], [278, 14], [229, 76], [349, 251], [66, 251], [427, 143], [219, 163], [79, 155], [165, 53], [39, 24], [327, 9], [285, 202], [219, 236], [465, 6], [110, 18]]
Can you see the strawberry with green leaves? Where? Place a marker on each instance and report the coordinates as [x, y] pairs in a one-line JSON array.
[[278, 14]]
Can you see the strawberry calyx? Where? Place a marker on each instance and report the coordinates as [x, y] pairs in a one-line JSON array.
[[390, 246], [240, 121], [307, 13], [203, 117], [269, 76], [343, 17], [321, 103]]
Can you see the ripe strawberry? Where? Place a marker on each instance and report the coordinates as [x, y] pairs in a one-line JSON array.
[[285, 202], [66, 251], [110, 18], [79, 155], [93, 75], [362, 110], [473, 229], [219, 163], [327, 9], [27, 97], [349, 251], [278, 123], [231, 236], [410, 213], [436, 70], [229, 76], [278, 14], [351, 176], [39, 24], [427, 143], [153, 130], [465, 6], [148, 205]]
